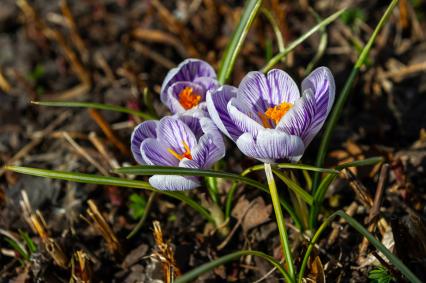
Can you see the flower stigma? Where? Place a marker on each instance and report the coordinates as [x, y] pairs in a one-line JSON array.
[[274, 114], [188, 99], [186, 154]]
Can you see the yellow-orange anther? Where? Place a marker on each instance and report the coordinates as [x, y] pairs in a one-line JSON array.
[[277, 112], [186, 154], [274, 114], [188, 99]]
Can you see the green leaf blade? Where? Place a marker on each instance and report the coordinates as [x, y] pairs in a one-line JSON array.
[[94, 105], [107, 181], [277, 58], [168, 170], [230, 55]]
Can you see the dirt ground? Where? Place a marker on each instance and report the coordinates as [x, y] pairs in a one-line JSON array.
[[118, 52]]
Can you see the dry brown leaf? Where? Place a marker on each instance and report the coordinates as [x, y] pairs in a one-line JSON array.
[[253, 214], [317, 271]]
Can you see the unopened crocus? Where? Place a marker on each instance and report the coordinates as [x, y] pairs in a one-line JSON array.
[[184, 88], [266, 116], [183, 141]]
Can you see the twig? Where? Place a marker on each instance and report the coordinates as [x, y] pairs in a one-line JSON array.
[[153, 55], [113, 163], [109, 133], [404, 71], [234, 229], [159, 36], [173, 25], [360, 190], [267, 274], [75, 36], [84, 154], [374, 211], [4, 84], [101, 225]]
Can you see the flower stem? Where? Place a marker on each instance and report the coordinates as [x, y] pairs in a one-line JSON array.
[[280, 221]]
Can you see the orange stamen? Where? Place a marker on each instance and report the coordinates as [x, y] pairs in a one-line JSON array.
[[188, 99], [264, 119], [274, 114], [277, 112], [186, 154]]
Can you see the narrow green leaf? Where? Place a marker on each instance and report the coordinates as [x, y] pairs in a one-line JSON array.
[[94, 105], [318, 199], [294, 187], [301, 39], [341, 100], [321, 46], [285, 245], [198, 271], [30, 244], [291, 166], [167, 170], [17, 248], [230, 55], [108, 181], [275, 26], [359, 163], [376, 243]]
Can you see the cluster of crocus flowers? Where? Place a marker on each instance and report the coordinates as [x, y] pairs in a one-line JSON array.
[[265, 116]]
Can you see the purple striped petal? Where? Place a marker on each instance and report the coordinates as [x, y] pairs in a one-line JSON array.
[[147, 129], [271, 146], [243, 117], [299, 119], [188, 70], [155, 152], [210, 149], [308, 114], [262, 92], [174, 133], [321, 82], [207, 83], [174, 183], [217, 105], [193, 122]]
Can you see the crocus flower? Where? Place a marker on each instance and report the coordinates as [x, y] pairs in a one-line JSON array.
[[183, 141], [184, 88], [266, 116]]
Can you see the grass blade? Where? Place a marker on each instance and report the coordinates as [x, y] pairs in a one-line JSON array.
[[291, 166], [294, 187], [108, 181], [30, 244], [338, 107], [230, 55], [195, 273], [17, 248], [298, 41], [285, 245], [101, 106], [376, 243], [359, 163], [275, 27], [167, 170]]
